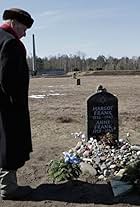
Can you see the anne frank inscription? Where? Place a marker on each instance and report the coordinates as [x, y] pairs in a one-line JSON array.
[[102, 115]]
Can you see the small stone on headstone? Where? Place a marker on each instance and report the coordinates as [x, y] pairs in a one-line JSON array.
[[87, 168]]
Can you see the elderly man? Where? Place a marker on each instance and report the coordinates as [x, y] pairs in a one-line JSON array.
[[15, 132]]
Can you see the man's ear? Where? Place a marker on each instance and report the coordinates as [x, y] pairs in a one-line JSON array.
[[12, 23]]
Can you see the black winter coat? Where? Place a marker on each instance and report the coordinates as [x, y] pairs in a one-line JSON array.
[[15, 132]]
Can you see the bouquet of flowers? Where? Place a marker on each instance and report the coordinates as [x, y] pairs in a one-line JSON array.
[[66, 168]]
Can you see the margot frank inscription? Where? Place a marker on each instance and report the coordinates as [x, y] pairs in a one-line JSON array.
[[102, 114]]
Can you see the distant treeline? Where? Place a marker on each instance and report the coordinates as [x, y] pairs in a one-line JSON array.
[[72, 63]]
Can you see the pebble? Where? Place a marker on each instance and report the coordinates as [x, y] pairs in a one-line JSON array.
[[108, 160], [87, 168]]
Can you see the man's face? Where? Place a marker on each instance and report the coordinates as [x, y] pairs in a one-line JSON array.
[[20, 29]]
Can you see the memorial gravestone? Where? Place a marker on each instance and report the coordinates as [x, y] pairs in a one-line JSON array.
[[102, 114], [78, 81]]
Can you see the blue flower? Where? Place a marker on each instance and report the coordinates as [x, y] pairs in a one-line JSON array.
[[71, 158]]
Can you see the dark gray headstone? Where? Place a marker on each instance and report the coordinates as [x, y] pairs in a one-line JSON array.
[[78, 81], [102, 114]]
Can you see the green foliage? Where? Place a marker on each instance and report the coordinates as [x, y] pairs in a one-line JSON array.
[[59, 170], [132, 173]]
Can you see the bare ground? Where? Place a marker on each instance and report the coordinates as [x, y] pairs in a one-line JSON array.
[[53, 118]]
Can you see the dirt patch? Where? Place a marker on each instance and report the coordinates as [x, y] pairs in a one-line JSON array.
[[61, 112]]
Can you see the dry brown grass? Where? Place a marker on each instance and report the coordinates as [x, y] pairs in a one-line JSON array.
[[55, 117]]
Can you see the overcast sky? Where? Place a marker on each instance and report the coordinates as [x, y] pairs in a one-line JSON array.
[[93, 27]]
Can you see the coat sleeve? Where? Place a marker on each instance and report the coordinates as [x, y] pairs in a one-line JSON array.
[[11, 71]]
